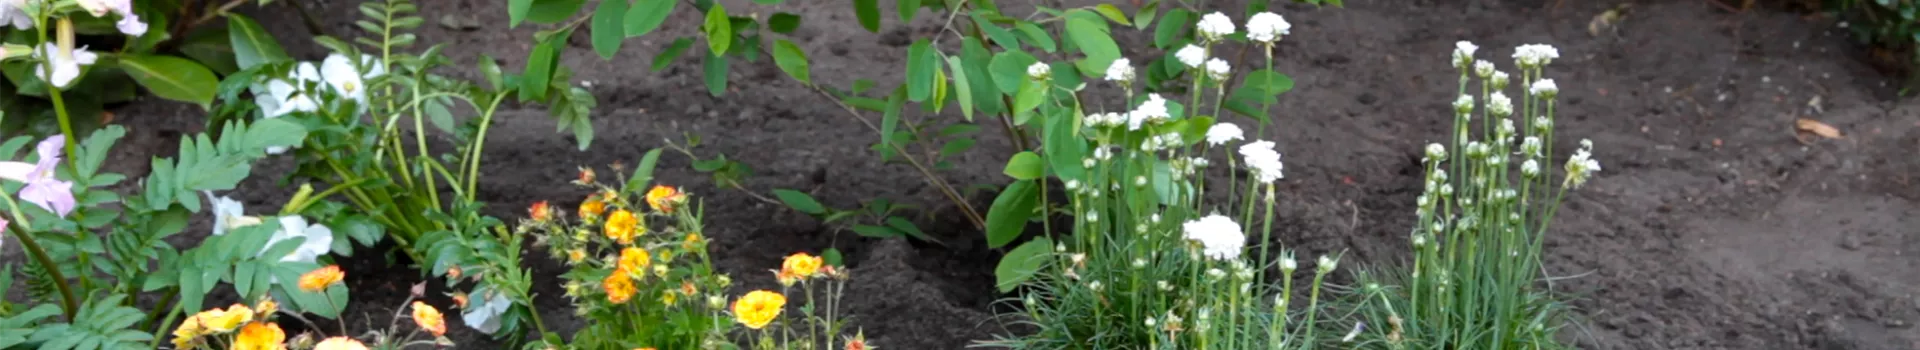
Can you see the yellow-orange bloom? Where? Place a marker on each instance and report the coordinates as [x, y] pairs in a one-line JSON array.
[[668, 298], [453, 272], [340, 343], [622, 226], [802, 265], [634, 259], [222, 321], [586, 176], [460, 299], [319, 279], [576, 255], [693, 241], [540, 212], [688, 288], [619, 287], [859, 342], [663, 198], [592, 207], [190, 329], [260, 336], [429, 319], [266, 307], [758, 308]]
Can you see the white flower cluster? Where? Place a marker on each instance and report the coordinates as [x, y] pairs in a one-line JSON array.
[[1039, 71], [1483, 68], [1463, 54], [1121, 71], [1214, 26], [1192, 56], [1499, 105], [1218, 70], [1534, 55], [1544, 88], [1219, 236], [1186, 167], [1161, 142], [1262, 160], [1153, 110], [1581, 166], [1267, 27], [129, 23], [301, 91], [317, 241], [1221, 133], [1104, 120]]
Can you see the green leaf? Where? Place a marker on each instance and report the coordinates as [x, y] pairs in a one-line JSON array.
[[607, 27], [1090, 33], [643, 174], [1031, 94], [961, 86], [800, 201], [1036, 36], [921, 62], [999, 35], [1063, 146], [877, 231], [172, 78], [956, 147], [783, 23], [1112, 13], [272, 132], [868, 12], [975, 58], [491, 69], [517, 11], [552, 11], [890, 120], [719, 30], [715, 68], [540, 66], [673, 50], [907, 9], [647, 15], [1009, 70], [1025, 166], [904, 226], [792, 60], [1172, 27], [1010, 212], [213, 48], [833, 257], [1021, 264], [1144, 17]]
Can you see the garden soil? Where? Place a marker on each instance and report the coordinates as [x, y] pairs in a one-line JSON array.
[[1715, 224]]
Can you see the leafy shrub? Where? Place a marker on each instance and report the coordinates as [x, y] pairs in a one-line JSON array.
[[1893, 25]]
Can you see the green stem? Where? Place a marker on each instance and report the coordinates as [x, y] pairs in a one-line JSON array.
[[1313, 305], [68, 303], [479, 144]]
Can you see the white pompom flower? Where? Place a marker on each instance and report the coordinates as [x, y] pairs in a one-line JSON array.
[[1214, 26], [1154, 109], [1267, 27], [1192, 56], [1221, 133], [1544, 88], [1463, 54], [1039, 71], [1219, 236], [1263, 161], [1535, 55], [1121, 70], [1218, 70]]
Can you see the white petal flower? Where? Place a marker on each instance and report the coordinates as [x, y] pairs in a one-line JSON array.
[[1219, 236], [1262, 160], [12, 13], [1463, 105], [1218, 70], [1530, 168], [66, 64], [1581, 166], [1483, 68], [1499, 80], [484, 310], [1121, 70], [1267, 27], [1223, 132], [1463, 54], [130, 24], [1544, 88], [1499, 105], [1154, 109], [1531, 146], [1535, 55], [1214, 26], [1436, 152], [318, 239], [345, 79], [1328, 263], [1288, 264], [1039, 71], [228, 214], [1192, 56]]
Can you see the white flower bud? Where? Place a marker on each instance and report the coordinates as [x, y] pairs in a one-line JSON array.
[[1094, 285], [1530, 168], [1287, 264], [1327, 264], [1093, 216], [1499, 105], [1499, 80], [1218, 70], [1088, 163], [1164, 286], [1039, 71], [1544, 88], [1436, 152], [1483, 68], [1463, 54], [1139, 263], [1216, 273], [1192, 56], [1073, 185], [1139, 180], [1121, 71], [1463, 106]]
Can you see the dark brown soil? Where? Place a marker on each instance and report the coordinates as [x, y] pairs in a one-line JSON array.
[[1712, 227]]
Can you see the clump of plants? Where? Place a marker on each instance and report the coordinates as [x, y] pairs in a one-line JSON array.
[[242, 327], [640, 271], [1476, 275], [1893, 26]]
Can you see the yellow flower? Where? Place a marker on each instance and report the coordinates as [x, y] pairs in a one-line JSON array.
[[693, 241], [668, 298], [540, 212], [222, 321], [340, 343], [619, 287], [634, 259], [319, 279], [260, 336], [429, 319], [663, 198], [758, 308], [592, 207], [189, 330], [622, 226], [265, 308], [802, 265], [787, 279]]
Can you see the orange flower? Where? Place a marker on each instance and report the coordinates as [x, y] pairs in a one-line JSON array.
[[693, 241], [540, 212], [453, 272], [663, 198], [802, 265], [586, 177], [758, 308], [260, 336], [319, 279], [622, 226], [634, 259], [265, 308], [593, 206], [460, 300], [429, 319], [786, 278], [576, 255], [619, 287], [859, 342], [688, 288], [340, 343]]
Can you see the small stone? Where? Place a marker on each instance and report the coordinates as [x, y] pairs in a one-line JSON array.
[[1850, 241], [1367, 99]]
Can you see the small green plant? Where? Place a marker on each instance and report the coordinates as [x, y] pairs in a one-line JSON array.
[[1891, 25], [1474, 281]]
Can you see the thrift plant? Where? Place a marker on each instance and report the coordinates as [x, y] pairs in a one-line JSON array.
[[1476, 277], [1147, 261]]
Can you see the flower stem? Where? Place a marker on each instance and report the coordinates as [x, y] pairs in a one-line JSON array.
[[67, 302]]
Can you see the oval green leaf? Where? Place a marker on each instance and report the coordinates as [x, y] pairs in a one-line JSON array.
[[1025, 166], [647, 15], [800, 201], [1021, 264], [920, 66], [607, 27], [719, 30], [792, 60], [1010, 212], [172, 78], [252, 46], [868, 12]]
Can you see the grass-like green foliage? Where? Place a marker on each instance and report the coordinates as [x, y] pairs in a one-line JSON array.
[[1476, 278]]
